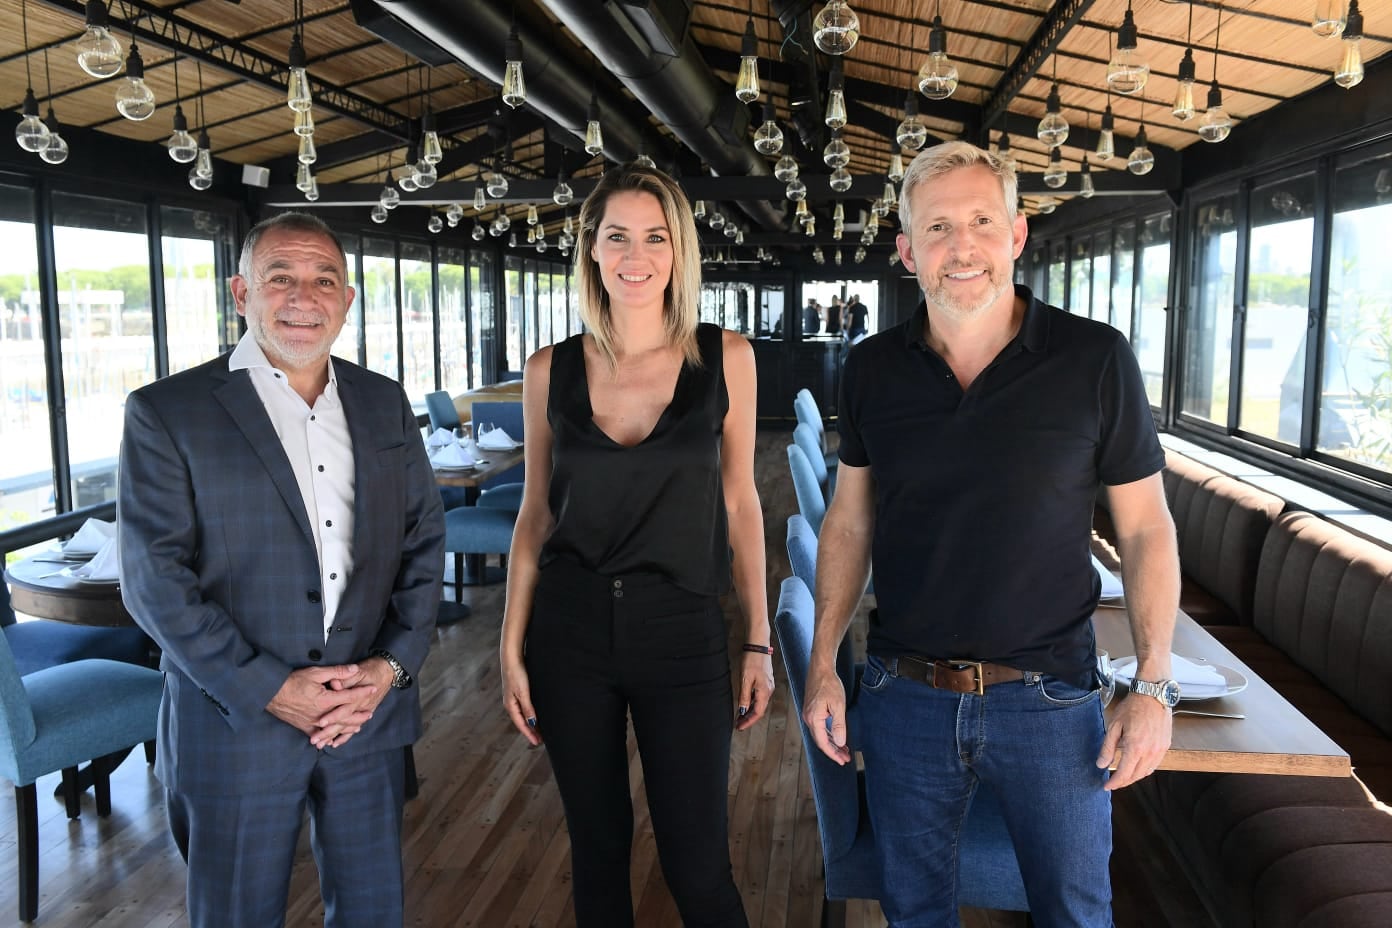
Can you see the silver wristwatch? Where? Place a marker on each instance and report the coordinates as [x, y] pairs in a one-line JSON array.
[[1166, 691], [400, 678]]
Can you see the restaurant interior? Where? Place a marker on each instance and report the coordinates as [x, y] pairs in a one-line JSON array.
[[1210, 177]]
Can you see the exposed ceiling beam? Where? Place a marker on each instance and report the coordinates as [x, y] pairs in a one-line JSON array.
[[1037, 50]]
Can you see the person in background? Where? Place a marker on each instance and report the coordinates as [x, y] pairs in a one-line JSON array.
[[833, 316], [974, 438], [854, 320], [811, 317], [282, 541], [639, 492]]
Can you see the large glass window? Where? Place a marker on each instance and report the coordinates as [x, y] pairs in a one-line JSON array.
[[197, 301], [346, 345], [26, 466], [1102, 282], [516, 326], [545, 335], [1058, 265], [483, 332], [1355, 402], [1080, 284], [1122, 263], [417, 322], [560, 325], [455, 373], [102, 262], [379, 305], [770, 322], [1208, 324], [1278, 308], [1152, 294]]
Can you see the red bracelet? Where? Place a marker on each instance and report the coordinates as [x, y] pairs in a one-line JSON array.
[[760, 648]]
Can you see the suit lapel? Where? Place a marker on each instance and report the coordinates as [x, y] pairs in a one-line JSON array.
[[239, 398]]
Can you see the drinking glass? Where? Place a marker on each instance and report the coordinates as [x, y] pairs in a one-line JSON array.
[[482, 429], [1106, 677]]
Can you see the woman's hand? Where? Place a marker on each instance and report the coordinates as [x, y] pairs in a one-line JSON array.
[[517, 699], [756, 688]]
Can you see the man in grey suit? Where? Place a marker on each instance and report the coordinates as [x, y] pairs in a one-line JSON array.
[[282, 541]]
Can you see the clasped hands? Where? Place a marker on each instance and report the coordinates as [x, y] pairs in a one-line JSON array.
[[332, 704]]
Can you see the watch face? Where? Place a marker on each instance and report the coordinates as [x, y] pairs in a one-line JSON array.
[[1169, 693]]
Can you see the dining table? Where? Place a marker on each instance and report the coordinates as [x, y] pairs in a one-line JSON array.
[[42, 585], [1272, 736]]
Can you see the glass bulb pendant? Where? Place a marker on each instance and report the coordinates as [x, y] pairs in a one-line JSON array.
[[134, 99], [302, 177], [203, 164], [747, 84], [1349, 73], [786, 169], [454, 214], [796, 190], [1086, 189], [896, 167], [1330, 17], [838, 214], [594, 136], [860, 255], [308, 154], [1142, 160], [716, 220], [430, 140], [1216, 123], [1184, 92], [56, 151], [531, 214], [1053, 128], [304, 122], [697, 212], [937, 79], [312, 193], [379, 214], [837, 153], [911, 133], [426, 174], [836, 29], [98, 52], [497, 185], [389, 198], [514, 84], [1055, 175], [199, 181], [480, 199], [768, 138], [477, 233], [297, 95], [31, 133], [181, 145], [1106, 142], [809, 228], [645, 160], [836, 257], [504, 221], [562, 194], [803, 212], [1128, 72], [435, 223]]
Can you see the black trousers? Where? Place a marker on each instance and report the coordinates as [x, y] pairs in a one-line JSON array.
[[600, 649]]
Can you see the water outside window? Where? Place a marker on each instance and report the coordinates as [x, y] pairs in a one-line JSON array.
[[1208, 324], [1278, 308]]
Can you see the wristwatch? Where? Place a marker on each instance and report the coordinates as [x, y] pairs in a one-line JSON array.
[[1166, 691], [400, 678]]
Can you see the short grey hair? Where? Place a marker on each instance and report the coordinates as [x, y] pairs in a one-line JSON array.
[[951, 156], [294, 221]]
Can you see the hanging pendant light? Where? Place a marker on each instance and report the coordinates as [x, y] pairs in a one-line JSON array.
[[531, 214], [838, 214], [304, 122], [430, 138], [504, 220], [297, 93], [31, 133], [836, 96], [768, 138], [937, 79], [379, 214], [1055, 175], [840, 180], [562, 194], [307, 154], [477, 233], [98, 52], [1106, 141], [786, 169], [837, 153], [514, 84], [1216, 123], [747, 84], [1086, 189], [302, 177], [1142, 160], [796, 190], [896, 167], [56, 151], [312, 194], [425, 175], [406, 174], [434, 223], [181, 145], [1127, 72], [1053, 128], [594, 135], [454, 214], [1184, 91], [716, 220], [1330, 17], [911, 133], [134, 98], [1349, 73], [836, 29], [201, 174], [389, 198]]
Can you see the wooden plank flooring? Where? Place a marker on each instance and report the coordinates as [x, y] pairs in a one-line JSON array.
[[485, 842]]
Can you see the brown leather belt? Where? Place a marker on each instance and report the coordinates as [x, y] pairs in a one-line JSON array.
[[959, 676]]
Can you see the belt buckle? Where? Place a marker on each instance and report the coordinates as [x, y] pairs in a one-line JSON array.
[[960, 665]]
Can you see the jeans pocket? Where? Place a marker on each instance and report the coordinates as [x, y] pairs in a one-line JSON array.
[[875, 678], [1061, 693]]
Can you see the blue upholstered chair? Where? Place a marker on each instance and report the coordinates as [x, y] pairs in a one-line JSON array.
[[443, 414], [810, 415], [476, 531], [45, 643], [988, 874], [509, 376], [811, 502], [507, 497], [802, 550], [56, 718], [806, 439], [505, 415]]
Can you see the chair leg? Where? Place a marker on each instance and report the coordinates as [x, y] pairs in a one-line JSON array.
[[150, 752], [412, 782], [27, 824], [101, 782], [833, 913], [72, 794], [459, 576]]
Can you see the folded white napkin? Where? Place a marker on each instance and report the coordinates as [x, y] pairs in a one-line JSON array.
[[439, 438], [497, 440], [1111, 584], [451, 456], [105, 564], [90, 538], [1194, 676]]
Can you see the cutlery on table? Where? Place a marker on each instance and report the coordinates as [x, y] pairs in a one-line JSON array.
[[1210, 715]]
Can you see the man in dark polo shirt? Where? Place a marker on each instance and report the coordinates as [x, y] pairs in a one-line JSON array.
[[973, 441]]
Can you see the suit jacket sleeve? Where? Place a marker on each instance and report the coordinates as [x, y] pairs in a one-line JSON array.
[[157, 530]]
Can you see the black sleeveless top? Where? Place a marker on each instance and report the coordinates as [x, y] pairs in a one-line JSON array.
[[655, 507]]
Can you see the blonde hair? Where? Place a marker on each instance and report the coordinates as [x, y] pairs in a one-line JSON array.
[[949, 156], [681, 308]]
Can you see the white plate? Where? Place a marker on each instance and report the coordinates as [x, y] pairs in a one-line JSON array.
[[449, 467], [1236, 682]]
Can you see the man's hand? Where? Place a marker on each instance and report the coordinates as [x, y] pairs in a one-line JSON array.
[[1137, 739], [331, 704], [824, 711]]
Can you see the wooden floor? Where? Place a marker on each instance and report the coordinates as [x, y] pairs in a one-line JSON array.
[[485, 842]]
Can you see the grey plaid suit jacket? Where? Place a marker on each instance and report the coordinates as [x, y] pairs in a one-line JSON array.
[[218, 565]]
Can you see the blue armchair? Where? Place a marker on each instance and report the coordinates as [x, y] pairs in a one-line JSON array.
[[45, 643], [56, 718], [811, 502], [989, 875]]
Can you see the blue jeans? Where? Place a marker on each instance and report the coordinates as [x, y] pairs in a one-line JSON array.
[[1034, 743]]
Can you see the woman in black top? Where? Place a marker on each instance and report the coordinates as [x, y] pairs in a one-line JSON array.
[[639, 487]]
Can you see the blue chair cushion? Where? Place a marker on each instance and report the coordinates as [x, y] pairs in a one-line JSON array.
[[82, 710], [439, 406], [473, 530], [42, 643], [454, 497], [802, 550], [811, 502], [508, 496]]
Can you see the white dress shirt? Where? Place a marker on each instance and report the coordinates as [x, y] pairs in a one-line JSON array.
[[320, 450]]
